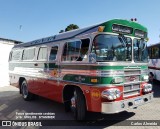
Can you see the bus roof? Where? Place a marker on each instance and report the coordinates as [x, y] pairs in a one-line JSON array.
[[87, 30], [155, 44]]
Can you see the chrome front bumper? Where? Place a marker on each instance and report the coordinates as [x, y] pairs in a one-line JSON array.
[[119, 106]]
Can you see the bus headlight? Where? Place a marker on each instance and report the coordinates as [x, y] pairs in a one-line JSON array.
[[111, 94], [145, 78], [147, 88], [117, 80]]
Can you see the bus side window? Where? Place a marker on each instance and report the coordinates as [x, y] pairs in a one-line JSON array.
[[28, 54], [15, 55], [149, 52], [71, 51], [155, 52], [84, 50], [42, 54], [53, 53]]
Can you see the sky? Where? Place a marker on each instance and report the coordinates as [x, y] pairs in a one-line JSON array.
[[27, 20]]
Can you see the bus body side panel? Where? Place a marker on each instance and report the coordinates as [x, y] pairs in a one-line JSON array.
[[13, 78], [154, 67], [20, 71], [51, 89]]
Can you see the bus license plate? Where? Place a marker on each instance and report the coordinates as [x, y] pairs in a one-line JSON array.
[[138, 101]]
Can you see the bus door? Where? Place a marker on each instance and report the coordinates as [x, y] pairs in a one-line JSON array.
[[52, 82], [41, 66]]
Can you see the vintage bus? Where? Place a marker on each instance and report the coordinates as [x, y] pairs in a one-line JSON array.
[[154, 61], [101, 68]]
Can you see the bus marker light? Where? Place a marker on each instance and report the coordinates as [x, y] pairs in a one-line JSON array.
[[145, 78], [94, 80], [54, 73], [117, 80], [101, 28]]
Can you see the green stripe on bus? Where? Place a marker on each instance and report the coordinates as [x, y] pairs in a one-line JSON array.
[[88, 79]]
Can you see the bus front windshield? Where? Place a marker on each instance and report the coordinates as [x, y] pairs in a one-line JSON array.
[[112, 48], [140, 50]]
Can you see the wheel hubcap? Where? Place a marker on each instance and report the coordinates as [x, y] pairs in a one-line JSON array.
[[73, 103], [24, 90]]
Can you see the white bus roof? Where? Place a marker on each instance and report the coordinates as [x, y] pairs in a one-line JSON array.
[[61, 36]]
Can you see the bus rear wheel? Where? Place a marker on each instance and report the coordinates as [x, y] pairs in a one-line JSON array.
[[25, 93], [78, 105]]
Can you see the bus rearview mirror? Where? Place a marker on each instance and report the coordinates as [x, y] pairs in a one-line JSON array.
[[92, 58]]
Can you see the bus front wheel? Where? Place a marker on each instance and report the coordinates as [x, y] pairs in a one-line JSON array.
[[78, 105]]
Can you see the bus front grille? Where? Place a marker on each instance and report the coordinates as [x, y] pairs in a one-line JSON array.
[[131, 82], [131, 89]]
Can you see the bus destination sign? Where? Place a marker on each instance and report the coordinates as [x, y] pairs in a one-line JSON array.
[[122, 29], [140, 33]]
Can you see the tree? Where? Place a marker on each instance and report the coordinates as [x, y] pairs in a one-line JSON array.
[[71, 27], [61, 31]]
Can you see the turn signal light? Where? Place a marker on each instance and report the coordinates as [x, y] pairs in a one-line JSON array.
[[101, 28]]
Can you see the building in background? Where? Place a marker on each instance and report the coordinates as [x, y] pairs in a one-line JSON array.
[[5, 48]]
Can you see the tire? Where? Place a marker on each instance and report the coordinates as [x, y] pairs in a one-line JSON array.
[[25, 93], [80, 106], [67, 106]]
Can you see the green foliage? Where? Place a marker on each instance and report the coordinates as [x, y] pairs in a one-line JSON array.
[[61, 31], [71, 27]]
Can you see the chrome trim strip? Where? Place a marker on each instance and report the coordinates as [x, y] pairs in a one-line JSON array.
[[132, 68], [125, 96], [127, 64], [132, 90], [132, 75], [95, 85], [129, 83]]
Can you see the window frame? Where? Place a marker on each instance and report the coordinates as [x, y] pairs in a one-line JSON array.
[[150, 48], [141, 50], [69, 41], [34, 48], [111, 34], [78, 39], [11, 54], [50, 53], [38, 54]]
